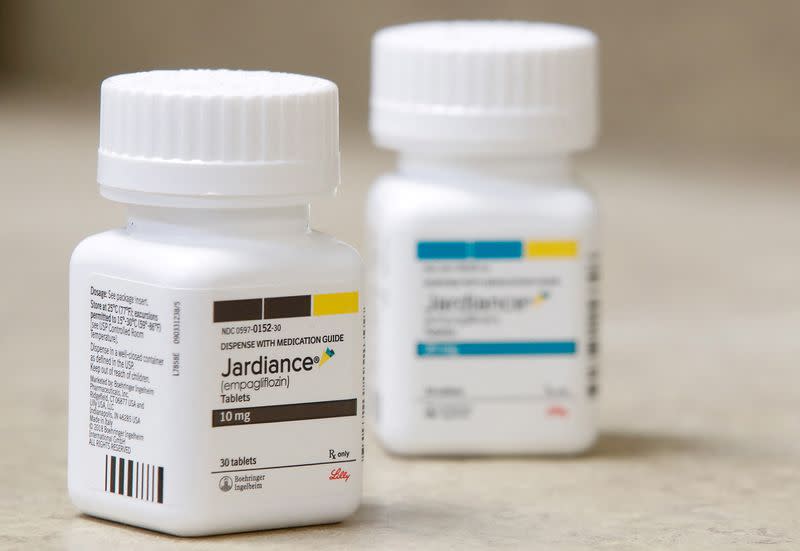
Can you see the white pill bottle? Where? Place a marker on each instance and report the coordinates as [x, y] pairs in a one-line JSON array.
[[216, 349], [483, 250]]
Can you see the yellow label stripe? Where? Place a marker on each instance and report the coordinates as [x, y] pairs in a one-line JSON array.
[[551, 249], [335, 303]]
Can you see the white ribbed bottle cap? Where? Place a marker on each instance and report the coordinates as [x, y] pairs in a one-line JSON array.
[[484, 87], [217, 138]]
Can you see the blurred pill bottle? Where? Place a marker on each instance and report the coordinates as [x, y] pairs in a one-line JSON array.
[[482, 248], [216, 357]]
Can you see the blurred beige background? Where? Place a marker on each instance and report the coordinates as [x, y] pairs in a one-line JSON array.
[[710, 72], [697, 176]]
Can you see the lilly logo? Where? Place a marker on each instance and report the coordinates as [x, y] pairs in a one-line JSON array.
[[327, 355]]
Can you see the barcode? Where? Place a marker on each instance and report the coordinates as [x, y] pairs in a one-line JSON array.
[[127, 477]]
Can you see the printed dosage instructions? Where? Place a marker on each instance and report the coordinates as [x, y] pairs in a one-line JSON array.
[[121, 367]]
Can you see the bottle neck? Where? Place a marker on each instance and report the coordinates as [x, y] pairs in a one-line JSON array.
[[191, 223], [545, 170]]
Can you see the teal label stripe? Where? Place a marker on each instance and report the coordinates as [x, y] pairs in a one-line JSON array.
[[519, 348], [461, 250]]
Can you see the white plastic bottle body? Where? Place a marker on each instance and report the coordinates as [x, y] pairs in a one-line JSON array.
[[482, 281], [192, 413]]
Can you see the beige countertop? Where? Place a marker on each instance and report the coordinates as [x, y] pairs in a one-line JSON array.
[[699, 413]]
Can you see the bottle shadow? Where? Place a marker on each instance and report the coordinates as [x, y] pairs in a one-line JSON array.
[[623, 444], [609, 444], [87, 532]]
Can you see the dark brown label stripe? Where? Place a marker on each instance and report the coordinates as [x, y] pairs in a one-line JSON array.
[[287, 307], [251, 309], [283, 412], [237, 310], [130, 478]]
